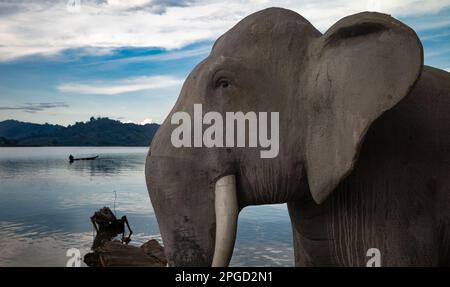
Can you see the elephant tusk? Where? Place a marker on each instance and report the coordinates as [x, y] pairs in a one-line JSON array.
[[226, 220]]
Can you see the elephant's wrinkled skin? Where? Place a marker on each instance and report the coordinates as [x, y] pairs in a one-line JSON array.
[[364, 157]]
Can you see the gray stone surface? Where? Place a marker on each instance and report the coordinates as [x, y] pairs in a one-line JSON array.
[[364, 142]]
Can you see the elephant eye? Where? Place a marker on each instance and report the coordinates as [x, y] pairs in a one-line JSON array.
[[222, 83]]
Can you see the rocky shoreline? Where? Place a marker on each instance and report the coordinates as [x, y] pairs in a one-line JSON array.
[[116, 254]]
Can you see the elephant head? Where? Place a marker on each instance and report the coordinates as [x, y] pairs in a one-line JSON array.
[[327, 90]]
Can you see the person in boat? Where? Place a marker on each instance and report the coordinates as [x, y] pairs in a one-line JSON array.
[[71, 158]]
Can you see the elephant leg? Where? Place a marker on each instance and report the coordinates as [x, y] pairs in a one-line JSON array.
[[338, 232], [311, 243], [374, 207], [443, 213]]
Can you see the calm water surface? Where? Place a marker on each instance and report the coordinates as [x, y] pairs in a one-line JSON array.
[[46, 203]]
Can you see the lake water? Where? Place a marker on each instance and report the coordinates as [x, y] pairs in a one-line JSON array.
[[46, 203]]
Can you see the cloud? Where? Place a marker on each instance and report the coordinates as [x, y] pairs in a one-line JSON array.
[[448, 70], [47, 27], [146, 121], [35, 107], [435, 36], [121, 86], [166, 56], [437, 53], [153, 6]]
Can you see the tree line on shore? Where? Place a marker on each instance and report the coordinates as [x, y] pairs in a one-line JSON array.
[[95, 132]]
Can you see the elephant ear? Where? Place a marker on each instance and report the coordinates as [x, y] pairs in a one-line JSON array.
[[361, 67]]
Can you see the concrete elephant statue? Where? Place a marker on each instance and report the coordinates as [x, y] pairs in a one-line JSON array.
[[363, 159]]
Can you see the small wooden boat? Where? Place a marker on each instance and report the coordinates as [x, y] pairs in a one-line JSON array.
[[72, 159]]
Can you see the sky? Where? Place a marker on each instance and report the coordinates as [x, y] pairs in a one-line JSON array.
[[63, 61]]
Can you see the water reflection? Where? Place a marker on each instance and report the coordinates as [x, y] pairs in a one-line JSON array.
[[46, 204], [107, 165]]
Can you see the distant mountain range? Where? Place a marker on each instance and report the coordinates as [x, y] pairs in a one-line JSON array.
[[95, 132]]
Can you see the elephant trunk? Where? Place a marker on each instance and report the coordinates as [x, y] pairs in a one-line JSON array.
[[197, 214]]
